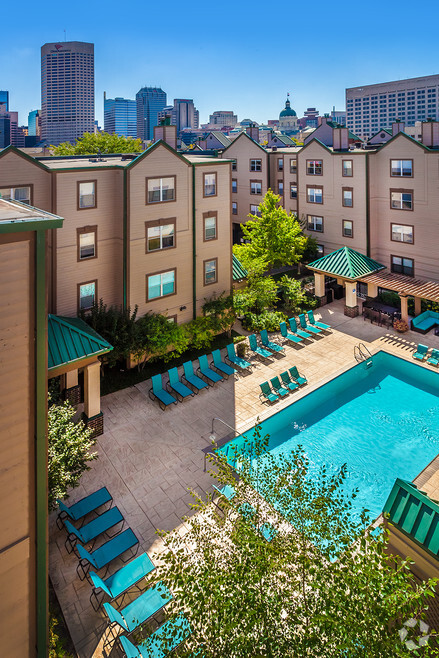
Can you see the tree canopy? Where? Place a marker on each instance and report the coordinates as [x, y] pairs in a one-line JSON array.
[[94, 143]]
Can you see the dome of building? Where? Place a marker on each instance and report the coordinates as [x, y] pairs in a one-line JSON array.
[[288, 111]]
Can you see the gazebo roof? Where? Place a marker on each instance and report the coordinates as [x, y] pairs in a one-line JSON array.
[[346, 263], [70, 340], [238, 272]]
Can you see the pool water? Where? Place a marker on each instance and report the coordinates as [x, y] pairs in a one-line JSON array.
[[382, 421]]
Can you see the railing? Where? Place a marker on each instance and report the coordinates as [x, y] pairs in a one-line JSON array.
[[362, 355], [213, 438]]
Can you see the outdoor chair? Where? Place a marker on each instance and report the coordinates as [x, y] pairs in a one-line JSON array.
[[308, 327], [267, 393], [420, 352], [82, 507], [90, 531], [193, 380], [247, 511], [277, 387], [120, 582], [288, 382], [259, 351], [103, 555], [227, 491], [286, 334], [300, 379], [165, 639], [175, 384], [220, 365], [235, 359], [295, 329], [320, 325], [433, 359], [157, 392], [275, 347], [206, 371]]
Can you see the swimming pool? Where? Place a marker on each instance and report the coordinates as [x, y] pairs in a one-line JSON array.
[[382, 421]]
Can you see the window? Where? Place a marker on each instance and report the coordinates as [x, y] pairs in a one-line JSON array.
[[22, 194], [161, 284], [280, 188], [314, 194], [86, 194], [280, 164], [401, 199], [255, 211], [160, 189], [209, 185], [403, 168], [401, 265], [314, 167], [315, 223], [87, 295], [320, 250], [87, 242], [293, 166], [347, 168], [401, 233], [255, 187], [234, 185], [255, 165], [347, 197], [210, 220], [160, 234], [210, 271], [348, 228], [234, 165], [234, 208], [293, 190]]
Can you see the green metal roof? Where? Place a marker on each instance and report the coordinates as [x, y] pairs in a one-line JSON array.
[[238, 272], [415, 514], [346, 263], [71, 339]]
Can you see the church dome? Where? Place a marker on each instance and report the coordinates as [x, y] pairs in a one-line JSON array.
[[288, 111]]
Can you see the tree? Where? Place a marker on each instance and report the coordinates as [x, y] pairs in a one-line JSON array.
[[323, 586], [69, 450], [292, 292], [95, 143]]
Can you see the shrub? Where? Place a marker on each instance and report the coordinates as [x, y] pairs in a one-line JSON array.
[[268, 320], [292, 292], [401, 326]]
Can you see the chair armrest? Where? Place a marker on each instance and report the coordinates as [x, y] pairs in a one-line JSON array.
[[151, 394], [168, 387]]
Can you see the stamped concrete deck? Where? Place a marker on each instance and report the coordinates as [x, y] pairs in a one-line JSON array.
[[149, 459]]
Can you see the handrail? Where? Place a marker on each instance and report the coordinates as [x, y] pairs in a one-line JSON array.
[[213, 437], [362, 353]]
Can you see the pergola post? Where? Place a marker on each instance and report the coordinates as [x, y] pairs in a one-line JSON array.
[[351, 306], [319, 288], [404, 308], [372, 290], [418, 308], [92, 398]]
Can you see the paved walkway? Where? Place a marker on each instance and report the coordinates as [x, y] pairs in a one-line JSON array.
[[149, 459]]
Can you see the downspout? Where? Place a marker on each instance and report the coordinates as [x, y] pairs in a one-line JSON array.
[[367, 208], [194, 248], [125, 240]]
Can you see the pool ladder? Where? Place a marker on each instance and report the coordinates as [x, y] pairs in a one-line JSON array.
[[362, 355]]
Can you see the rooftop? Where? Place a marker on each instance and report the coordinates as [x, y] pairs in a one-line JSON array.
[[14, 212], [346, 263], [70, 340]]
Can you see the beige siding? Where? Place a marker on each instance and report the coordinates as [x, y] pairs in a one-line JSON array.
[[16, 170]]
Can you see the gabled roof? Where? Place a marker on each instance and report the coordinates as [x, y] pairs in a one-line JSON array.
[[70, 340], [22, 154], [221, 137], [244, 134], [238, 272], [401, 134], [284, 139], [346, 263], [332, 124]]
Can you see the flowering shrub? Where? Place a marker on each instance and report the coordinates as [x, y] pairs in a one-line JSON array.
[[401, 326]]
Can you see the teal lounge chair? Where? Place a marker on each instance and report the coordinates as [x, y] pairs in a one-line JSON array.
[[267, 393], [259, 351], [300, 379], [320, 325], [286, 334], [295, 329], [420, 352], [433, 359], [175, 384], [308, 327], [157, 392], [220, 365], [277, 387], [288, 382], [103, 555], [165, 639], [210, 375], [90, 531], [275, 347], [121, 581], [82, 507], [236, 360], [226, 490], [193, 380], [140, 610]]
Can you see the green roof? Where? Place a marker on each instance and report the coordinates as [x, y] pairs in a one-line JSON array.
[[346, 263], [70, 340], [238, 272]]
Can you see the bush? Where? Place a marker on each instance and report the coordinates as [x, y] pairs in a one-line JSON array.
[[390, 298], [268, 320]]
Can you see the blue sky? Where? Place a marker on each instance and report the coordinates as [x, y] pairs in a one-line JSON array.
[[239, 57]]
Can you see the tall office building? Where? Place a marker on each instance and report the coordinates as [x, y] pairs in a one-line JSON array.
[[149, 101], [183, 114], [120, 116], [34, 123], [223, 118], [372, 107], [67, 91], [4, 98]]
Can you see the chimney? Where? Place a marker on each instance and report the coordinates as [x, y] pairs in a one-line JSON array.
[[397, 127], [253, 131], [340, 139], [430, 133], [324, 119], [166, 132]]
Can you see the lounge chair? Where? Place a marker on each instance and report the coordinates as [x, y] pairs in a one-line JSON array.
[[82, 507], [157, 392], [275, 347], [433, 359], [320, 325], [210, 375], [103, 555], [295, 329], [259, 351], [220, 365], [226, 490], [140, 610], [175, 384], [90, 531], [235, 359], [248, 512], [308, 327], [267, 393], [121, 581], [277, 387], [193, 380], [165, 639], [288, 382], [300, 379], [286, 334], [420, 352]]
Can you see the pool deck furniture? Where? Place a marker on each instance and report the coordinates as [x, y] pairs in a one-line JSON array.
[[313, 321], [286, 334], [220, 365], [421, 352], [182, 391], [195, 382], [227, 491], [235, 359], [277, 387], [425, 321], [300, 379], [157, 392], [247, 511], [91, 530], [211, 376], [259, 351], [288, 382], [162, 642], [81, 508], [109, 551], [267, 393], [296, 331], [120, 582], [308, 327], [274, 347], [433, 359]]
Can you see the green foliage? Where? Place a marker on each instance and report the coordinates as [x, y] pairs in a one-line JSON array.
[[118, 327], [94, 143], [259, 294], [160, 339], [220, 312], [293, 293], [56, 644], [69, 450], [390, 298], [268, 320]]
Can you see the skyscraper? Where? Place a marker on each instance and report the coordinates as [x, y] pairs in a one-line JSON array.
[[149, 100], [67, 91], [4, 98], [120, 116], [34, 123]]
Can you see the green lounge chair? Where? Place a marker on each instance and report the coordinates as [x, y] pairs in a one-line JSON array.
[[210, 375], [288, 382], [157, 392], [90, 531], [295, 329], [103, 555], [140, 610], [308, 327], [220, 365], [121, 581], [320, 325], [175, 384], [259, 351], [267, 393], [277, 387], [235, 359], [285, 334], [193, 380], [82, 507], [420, 352], [300, 379], [226, 490], [434, 358], [163, 641], [275, 347]]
